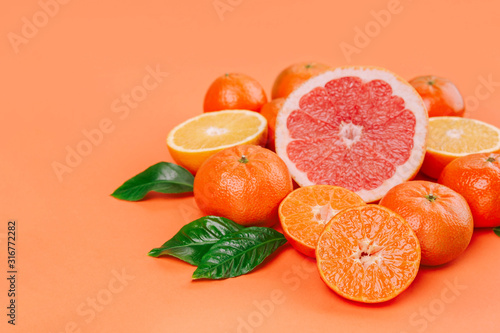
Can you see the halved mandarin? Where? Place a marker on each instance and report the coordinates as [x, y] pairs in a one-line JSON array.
[[305, 212], [368, 254]]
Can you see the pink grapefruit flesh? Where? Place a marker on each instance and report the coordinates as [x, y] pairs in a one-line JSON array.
[[361, 128]]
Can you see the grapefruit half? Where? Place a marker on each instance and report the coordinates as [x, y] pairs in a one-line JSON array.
[[361, 128]]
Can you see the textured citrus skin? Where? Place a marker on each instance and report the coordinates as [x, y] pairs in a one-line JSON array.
[[234, 91], [244, 183], [441, 97], [368, 254], [477, 178], [305, 212], [293, 76], [270, 110], [443, 226]]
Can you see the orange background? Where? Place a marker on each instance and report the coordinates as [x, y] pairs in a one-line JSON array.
[[70, 75]]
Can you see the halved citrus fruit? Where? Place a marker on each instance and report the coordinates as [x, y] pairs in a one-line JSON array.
[[361, 128], [305, 212], [198, 138], [368, 254], [453, 137]]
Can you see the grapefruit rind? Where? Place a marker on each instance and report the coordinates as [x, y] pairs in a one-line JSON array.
[[400, 87], [412, 266]]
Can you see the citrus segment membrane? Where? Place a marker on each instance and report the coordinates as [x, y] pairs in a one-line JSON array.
[[359, 128], [368, 254], [355, 118]]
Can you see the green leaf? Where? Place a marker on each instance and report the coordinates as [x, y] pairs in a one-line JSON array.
[[163, 177], [497, 231], [196, 238], [239, 253]]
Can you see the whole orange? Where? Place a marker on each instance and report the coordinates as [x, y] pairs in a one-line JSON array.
[[293, 76], [441, 97], [477, 178], [234, 91], [270, 111], [244, 183], [440, 217]]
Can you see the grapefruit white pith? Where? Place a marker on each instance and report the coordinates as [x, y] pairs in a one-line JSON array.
[[361, 128]]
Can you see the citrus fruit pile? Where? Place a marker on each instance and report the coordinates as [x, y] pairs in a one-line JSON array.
[[343, 146]]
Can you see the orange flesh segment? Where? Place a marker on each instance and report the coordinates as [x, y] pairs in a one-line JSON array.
[[306, 211], [368, 254], [456, 135]]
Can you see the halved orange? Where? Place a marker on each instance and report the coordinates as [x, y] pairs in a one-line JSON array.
[[453, 137], [368, 254], [198, 138], [305, 212]]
